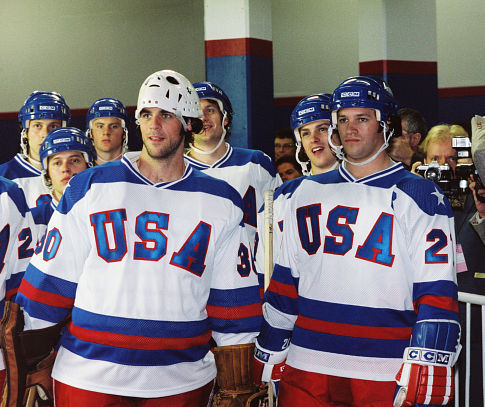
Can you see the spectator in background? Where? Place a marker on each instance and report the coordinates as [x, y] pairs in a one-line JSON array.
[[288, 168], [413, 129], [284, 143], [470, 253]]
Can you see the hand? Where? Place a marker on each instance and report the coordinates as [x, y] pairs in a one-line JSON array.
[[479, 205], [427, 382], [414, 166]]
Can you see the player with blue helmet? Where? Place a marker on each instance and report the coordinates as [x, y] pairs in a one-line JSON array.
[[64, 153], [361, 298], [250, 172], [41, 113], [310, 121], [369, 93], [106, 125]]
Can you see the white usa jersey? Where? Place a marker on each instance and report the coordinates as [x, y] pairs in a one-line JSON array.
[[362, 261], [19, 170], [150, 272], [17, 240], [250, 172]]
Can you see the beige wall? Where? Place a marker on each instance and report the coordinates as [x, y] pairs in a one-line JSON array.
[[88, 49]]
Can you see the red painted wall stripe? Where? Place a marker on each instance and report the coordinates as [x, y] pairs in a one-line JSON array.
[[461, 91], [239, 46], [398, 67]]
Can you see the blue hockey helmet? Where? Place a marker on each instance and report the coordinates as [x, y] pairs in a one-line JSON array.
[[44, 105], [209, 90], [108, 107], [366, 92], [310, 109], [363, 92], [67, 139]]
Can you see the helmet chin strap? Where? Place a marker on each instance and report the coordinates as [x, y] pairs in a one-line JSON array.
[[223, 135], [305, 165], [341, 154]]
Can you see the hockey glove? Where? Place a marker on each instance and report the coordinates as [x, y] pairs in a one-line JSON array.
[[268, 366], [425, 378]]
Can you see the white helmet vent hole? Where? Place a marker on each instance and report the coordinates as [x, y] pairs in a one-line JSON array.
[[173, 80]]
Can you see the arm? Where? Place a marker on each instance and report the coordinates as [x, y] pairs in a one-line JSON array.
[[426, 375]]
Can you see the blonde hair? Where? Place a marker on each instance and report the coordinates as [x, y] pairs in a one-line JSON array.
[[442, 132]]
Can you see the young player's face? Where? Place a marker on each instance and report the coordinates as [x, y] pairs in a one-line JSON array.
[[284, 146], [107, 134], [37, 132], [161, 133], [314, 140], [359, 133], [212, 123], [61, 167], [287, 171], [442, 152]]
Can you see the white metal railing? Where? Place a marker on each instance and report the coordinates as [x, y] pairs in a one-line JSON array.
[[470, 299]]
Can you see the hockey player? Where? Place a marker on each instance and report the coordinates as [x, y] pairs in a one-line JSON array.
[[41, 113], [251, 172], [150, 257], [64, 153], [106, 126], [365, 276], [310, 121], [16, 243]]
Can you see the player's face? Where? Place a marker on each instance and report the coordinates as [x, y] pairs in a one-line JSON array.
[[212, 124], [359, 133], [107, 134], [284, 146], [161, 133], [442, 152], [61, 167], [314, 140], [287, 171], [37, 132]]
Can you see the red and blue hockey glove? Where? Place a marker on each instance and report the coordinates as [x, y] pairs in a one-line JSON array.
[[268, 366], [425, 378]]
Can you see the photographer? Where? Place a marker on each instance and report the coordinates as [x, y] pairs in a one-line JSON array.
[[478, 151], [442, 158]]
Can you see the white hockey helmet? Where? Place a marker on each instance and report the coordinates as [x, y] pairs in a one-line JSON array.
[[172, 92]]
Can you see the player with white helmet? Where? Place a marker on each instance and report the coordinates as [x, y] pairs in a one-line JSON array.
[[363, 293], [310, 121], [106, 125], [41, 113], [151, 259], [251, 172]]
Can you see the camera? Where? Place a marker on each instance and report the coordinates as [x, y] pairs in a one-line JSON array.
[[463, 147], [440, 175]]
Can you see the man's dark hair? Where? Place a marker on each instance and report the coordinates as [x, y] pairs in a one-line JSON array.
[[288, 159], [414, 121], [284, 133]]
